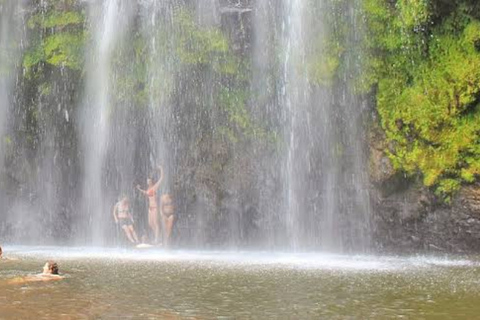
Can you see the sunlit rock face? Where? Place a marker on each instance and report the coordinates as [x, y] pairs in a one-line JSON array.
[[248, 106]]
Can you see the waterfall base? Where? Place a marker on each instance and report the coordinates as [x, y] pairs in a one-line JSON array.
[[111, 283]]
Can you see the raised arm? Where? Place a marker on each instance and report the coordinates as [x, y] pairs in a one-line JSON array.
[[142, 191], [157, 185], [115, 213], [160, 208]]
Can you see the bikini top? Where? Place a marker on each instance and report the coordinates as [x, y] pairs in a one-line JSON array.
[[151, 192]]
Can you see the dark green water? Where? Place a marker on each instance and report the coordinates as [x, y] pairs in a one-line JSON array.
[[112, 284]]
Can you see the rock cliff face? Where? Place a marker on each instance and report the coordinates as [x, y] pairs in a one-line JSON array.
[[409, 218], [224, 165]]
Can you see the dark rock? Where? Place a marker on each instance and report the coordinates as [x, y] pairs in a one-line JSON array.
[[381, 168], [469, 199], [413, 220], [409, 218]]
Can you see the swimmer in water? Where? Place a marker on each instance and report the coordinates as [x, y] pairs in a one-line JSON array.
[[49, 273], [151, 193], [50, 268]]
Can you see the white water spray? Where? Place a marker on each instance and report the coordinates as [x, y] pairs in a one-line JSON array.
[[108, 22]]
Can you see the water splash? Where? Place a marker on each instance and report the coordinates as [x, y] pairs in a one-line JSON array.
[[253, 260]]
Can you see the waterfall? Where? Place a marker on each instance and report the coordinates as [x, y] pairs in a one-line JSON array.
[[158, 33], [5, 75], [259, 133], [326, 197], [295, 92], [109, 21], [12, 36], [5, 72]]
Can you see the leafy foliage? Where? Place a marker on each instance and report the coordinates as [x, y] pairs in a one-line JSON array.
[[427, 80], [58, 38], [207, 49]]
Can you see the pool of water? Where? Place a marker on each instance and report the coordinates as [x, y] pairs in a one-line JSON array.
[[156, 284]]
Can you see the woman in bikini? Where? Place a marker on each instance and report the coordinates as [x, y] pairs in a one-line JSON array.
[[167, 210], [151, 193], [123, 217]]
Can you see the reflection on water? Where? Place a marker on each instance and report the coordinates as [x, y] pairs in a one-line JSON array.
[[145, 284]]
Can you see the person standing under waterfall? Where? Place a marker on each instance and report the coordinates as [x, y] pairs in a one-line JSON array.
[[151, 193], [167, 210], [123, 217]]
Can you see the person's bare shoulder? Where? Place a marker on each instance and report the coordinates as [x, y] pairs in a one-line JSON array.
[[51, 277], [36, 278]]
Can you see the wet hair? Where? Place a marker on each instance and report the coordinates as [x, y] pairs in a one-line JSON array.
[[53, 267]]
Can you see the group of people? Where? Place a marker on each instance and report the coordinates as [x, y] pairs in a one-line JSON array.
[[124, 218]]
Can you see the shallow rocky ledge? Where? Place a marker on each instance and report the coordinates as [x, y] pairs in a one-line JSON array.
[[409, 218], [413, 220]]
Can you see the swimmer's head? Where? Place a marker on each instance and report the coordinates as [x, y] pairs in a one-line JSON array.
[[50, 267], [149, 182]]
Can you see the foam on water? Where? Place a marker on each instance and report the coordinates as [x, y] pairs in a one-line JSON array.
[[245, 259]]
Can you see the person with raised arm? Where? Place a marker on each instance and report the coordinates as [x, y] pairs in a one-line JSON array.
[[151, 193]]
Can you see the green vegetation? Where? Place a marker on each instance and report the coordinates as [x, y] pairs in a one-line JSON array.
[[57, 37], [200, 45], [239, 121], [423, 61], [324, 56], [206, 50], [129, 74]]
